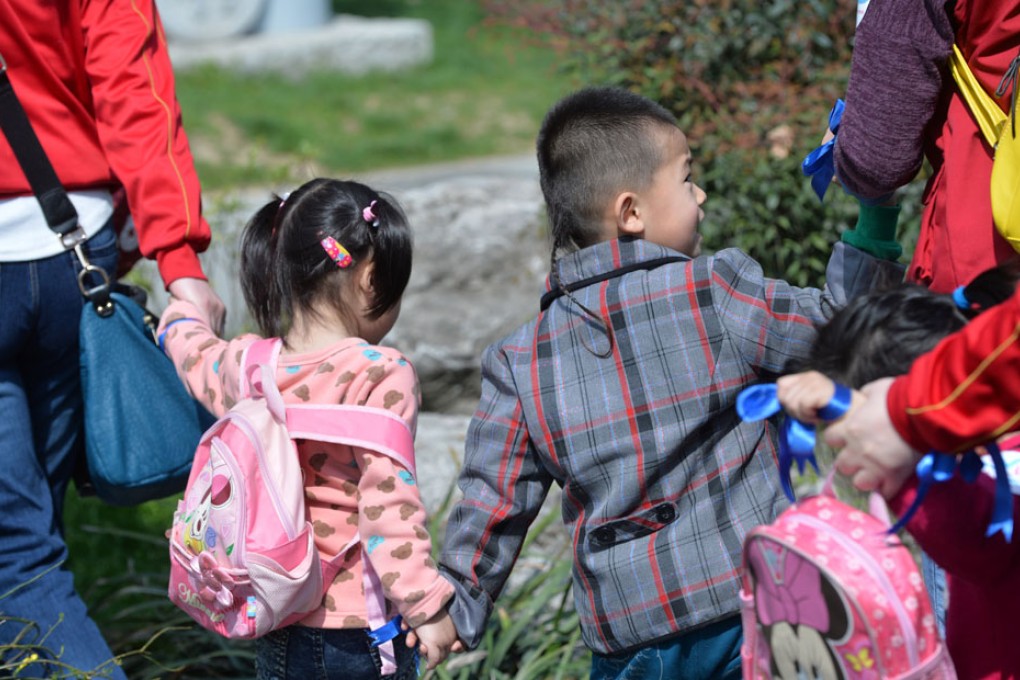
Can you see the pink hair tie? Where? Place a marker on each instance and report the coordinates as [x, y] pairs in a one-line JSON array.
[[369, 215], [337, 252]]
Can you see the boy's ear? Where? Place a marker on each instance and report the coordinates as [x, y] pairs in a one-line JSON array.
[[627, 214]]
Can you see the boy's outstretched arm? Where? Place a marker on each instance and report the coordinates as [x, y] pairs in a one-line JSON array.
[[771, 321], [504, 485]]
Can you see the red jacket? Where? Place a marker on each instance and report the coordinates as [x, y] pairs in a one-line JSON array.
[[966, 391], [95, 79], [962, 393]]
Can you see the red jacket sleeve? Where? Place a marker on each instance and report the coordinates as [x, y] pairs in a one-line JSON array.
[[139, 125], [965, 391]]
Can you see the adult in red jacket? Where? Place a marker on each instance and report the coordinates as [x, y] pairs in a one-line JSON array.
[[95, 80], [902, 105], [962, 393]]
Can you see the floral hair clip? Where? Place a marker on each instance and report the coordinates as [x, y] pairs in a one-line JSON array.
[[337, 252], [369, 215]]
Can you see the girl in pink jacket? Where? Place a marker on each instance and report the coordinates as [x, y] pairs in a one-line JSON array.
[[325, 269]]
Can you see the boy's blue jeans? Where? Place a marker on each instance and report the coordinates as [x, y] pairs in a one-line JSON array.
[[40, 440], [708, 653]]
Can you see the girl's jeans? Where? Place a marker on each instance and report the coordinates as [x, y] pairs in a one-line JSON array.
[[40, 441], [303, 653], [935, 582], [708, 653]]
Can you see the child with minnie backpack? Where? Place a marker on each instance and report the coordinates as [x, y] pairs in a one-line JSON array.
[[879, 335], [323, 272]]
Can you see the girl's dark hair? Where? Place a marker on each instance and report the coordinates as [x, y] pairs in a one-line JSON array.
[[880, 334], [284, 267]]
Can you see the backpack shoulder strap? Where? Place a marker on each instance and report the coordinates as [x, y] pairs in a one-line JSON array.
[[989, 117], [265, 351], [362, 426]]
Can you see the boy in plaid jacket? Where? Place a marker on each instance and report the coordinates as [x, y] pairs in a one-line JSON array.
[[622, 391]]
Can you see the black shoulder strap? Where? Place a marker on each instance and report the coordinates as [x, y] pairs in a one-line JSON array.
[[56, 206], [551, 295]]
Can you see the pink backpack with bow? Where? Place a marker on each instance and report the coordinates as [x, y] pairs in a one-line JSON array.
[[242, 550], [828, 593]]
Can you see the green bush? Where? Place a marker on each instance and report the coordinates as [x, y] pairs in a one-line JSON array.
[[751, 84]]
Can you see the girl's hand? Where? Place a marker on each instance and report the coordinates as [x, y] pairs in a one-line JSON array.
[[802, 394], [435, 638]]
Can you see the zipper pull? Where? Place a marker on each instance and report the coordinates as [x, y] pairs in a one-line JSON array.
[[1008, 80]]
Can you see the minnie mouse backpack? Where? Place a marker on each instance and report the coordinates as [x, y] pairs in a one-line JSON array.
[[828, 593], [243, 559]]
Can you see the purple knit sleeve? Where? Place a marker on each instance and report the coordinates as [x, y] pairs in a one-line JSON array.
[[896, 76]]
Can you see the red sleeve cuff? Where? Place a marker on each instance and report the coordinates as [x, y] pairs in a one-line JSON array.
[[179, 263], [896, 404]]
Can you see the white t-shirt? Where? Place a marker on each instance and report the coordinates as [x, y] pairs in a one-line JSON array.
[[24, 234]]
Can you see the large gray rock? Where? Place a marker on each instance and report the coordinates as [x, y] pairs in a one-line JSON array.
[[480, 261]]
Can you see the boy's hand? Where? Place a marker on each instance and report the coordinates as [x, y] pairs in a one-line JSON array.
[[435, 638]]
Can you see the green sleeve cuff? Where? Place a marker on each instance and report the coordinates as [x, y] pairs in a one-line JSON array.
[[875, 232]]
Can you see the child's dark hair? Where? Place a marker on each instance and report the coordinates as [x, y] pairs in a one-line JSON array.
[[284, 267], [880, 334], [593, 143]]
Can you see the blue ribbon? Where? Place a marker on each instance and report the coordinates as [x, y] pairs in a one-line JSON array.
[[1002, 511], [820, 165], [796, 438], [385, 632], [935, 467], [960, 298], [162, 336]]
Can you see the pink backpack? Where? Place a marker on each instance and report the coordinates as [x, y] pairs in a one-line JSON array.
[[243, 560], [828, 593]]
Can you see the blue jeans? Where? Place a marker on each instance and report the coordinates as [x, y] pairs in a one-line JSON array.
[[938, 592], [303, 653], [708, 653], [40, 442]]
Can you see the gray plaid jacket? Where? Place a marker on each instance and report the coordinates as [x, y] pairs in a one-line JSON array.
[[661, 480]]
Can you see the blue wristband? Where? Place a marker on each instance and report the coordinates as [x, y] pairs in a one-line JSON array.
[[162, 336]]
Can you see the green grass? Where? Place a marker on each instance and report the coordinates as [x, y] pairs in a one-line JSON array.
[[484, 94]]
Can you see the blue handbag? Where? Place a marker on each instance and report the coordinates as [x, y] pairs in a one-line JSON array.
[[141, 425]]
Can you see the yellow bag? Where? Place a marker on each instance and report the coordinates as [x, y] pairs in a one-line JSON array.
[[999, 130]]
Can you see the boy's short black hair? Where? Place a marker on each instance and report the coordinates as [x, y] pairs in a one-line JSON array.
[[593, 144]]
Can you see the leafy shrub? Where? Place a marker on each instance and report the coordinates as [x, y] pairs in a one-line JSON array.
[[751, 84]]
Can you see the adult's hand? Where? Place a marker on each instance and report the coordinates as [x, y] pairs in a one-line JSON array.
[[869, 449], [199, 293]]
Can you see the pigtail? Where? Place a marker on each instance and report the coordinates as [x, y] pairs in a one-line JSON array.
[[554, 279], [392, 246], [259, 271], [988, 289]]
